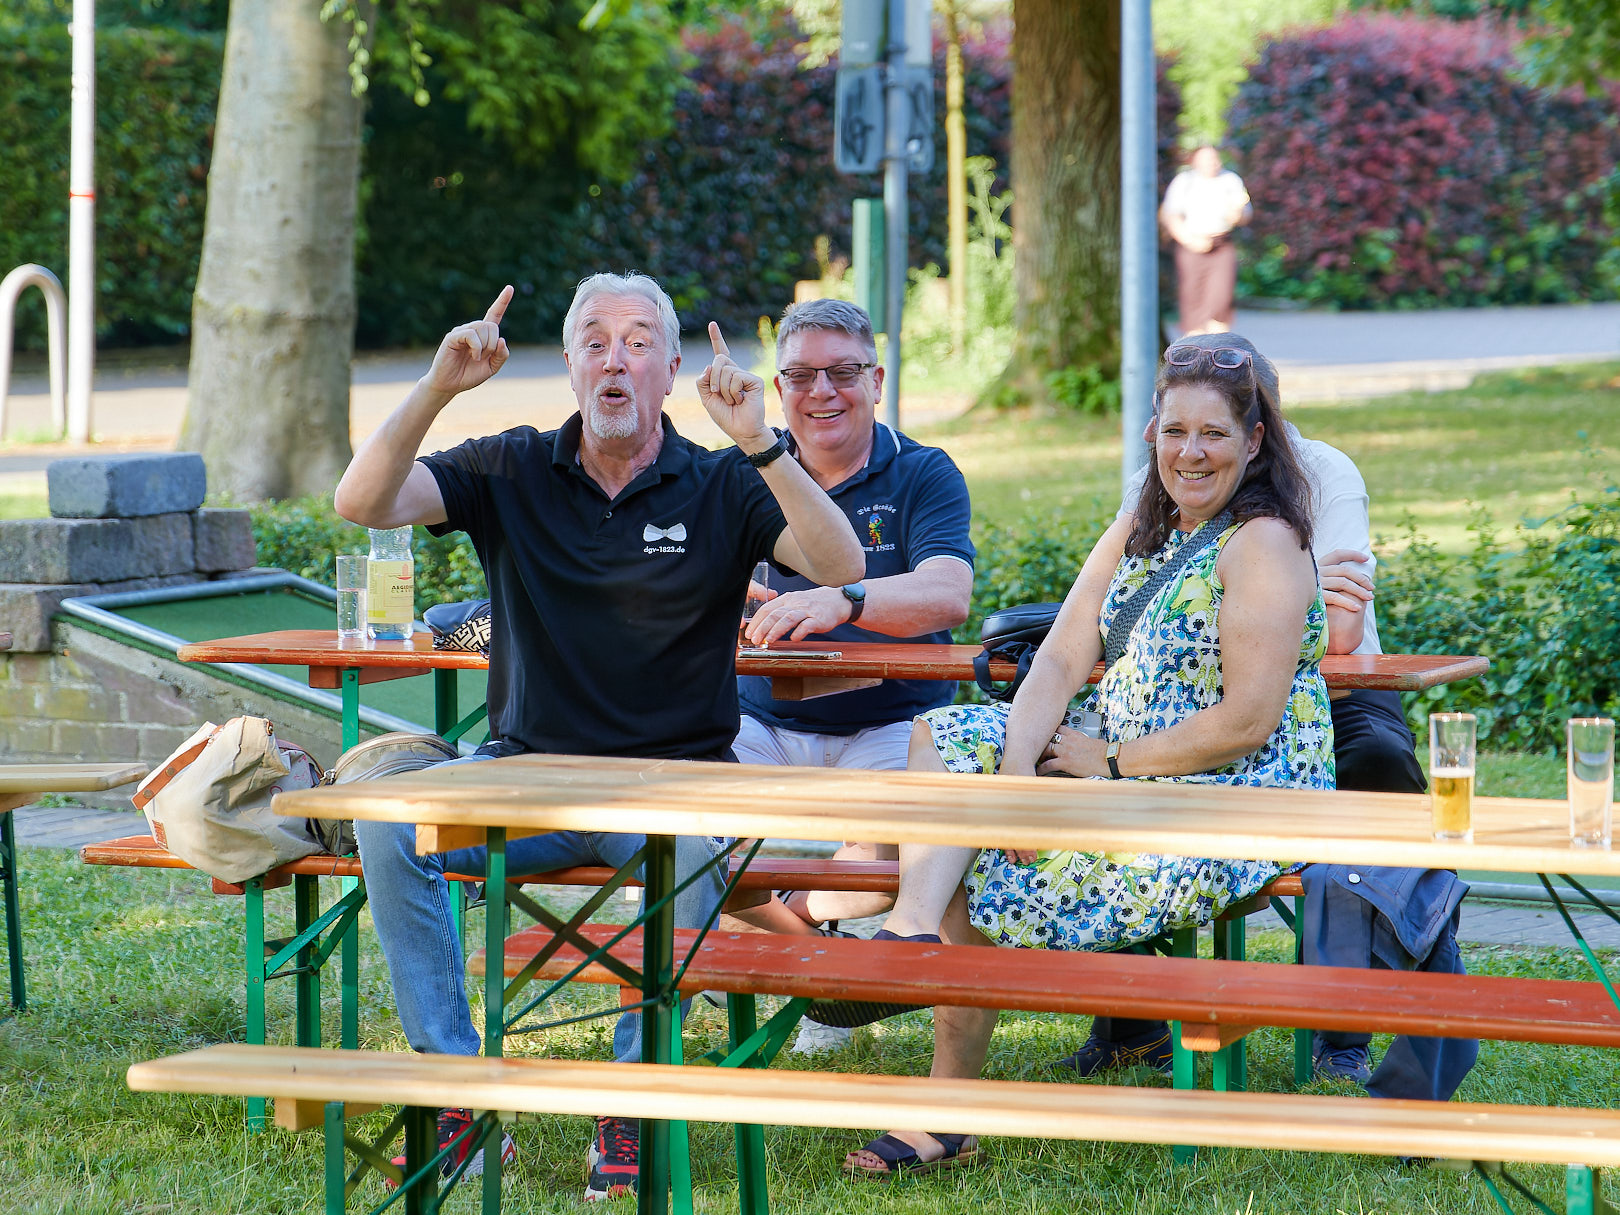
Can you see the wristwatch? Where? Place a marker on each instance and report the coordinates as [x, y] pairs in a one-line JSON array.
[[760, 459], [855, 592], [1113, 760]]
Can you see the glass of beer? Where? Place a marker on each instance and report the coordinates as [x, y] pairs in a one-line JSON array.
[[1591, 780], [1451, 775]]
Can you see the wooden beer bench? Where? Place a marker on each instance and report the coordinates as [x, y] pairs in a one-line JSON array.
[[317, 1088]]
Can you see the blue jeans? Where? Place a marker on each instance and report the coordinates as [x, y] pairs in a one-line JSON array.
[[410, 905]]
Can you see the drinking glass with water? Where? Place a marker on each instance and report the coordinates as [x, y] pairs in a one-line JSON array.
[[351, 596], [1591, 781]]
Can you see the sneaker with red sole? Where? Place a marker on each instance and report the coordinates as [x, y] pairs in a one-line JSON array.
[[614, 1159], [451, 1123]]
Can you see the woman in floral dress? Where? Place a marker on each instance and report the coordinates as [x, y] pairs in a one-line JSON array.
[[1216, 680]]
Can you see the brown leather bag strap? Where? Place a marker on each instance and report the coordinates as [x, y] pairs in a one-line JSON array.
[[177, 764]]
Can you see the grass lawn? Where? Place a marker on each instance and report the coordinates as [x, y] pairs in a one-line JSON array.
[[1514, 444], [127, 965]]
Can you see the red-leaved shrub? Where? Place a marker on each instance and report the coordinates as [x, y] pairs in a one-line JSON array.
[[1397, 162]]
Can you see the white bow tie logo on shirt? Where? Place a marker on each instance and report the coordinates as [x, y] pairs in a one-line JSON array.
[[676, 533]]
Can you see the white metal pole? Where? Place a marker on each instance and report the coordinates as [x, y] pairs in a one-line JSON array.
[[82, 224], [897, 123], [1139, 252]]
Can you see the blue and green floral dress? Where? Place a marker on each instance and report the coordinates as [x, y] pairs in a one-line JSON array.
[[1170, 670]]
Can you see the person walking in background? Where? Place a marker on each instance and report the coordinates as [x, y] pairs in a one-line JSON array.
[[1204, 203]]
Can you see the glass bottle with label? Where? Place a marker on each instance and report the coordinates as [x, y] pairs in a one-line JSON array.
[[390, 584]]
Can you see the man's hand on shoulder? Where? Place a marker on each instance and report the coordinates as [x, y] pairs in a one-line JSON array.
[[735, 398], [470, 353]]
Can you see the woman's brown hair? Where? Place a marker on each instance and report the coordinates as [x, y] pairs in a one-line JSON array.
[[1274, 484]]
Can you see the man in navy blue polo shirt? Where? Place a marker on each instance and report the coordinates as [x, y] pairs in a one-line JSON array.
[[618, 556], [909, 506]]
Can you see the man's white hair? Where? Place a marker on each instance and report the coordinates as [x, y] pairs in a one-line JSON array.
[[632, 284]]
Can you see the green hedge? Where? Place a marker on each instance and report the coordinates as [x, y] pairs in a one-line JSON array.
[[155, 96]]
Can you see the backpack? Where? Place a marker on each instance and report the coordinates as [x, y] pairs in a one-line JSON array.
[[209, 803]]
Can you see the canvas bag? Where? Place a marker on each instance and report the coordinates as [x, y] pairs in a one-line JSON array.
[[209, 803], [385, 755]]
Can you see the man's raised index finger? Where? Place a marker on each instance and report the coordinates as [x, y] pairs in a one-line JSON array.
[[719, 342], [498, 309]]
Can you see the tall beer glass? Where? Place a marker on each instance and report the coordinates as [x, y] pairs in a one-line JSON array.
[[1451, 775]]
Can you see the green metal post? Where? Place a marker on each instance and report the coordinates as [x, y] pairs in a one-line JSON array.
[[867, 247], [421, 1142], [659, 1019], [752, 1198], [494, 991], [1583, 1192], [1303, 1038], [682, 1197], [8, 877], [253, 947], [350, 692], [349, 969], [445, 716], [335, 1179], [307, 981], [1231, 1064]]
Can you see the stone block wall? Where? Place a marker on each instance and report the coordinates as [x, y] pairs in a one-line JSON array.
[[120, 523]]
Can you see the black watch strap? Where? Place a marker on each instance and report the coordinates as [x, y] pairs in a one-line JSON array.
[[760, 459], [1113, 761]]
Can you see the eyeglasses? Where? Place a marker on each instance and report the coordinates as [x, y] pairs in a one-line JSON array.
[[1229, 358], [839, 375]]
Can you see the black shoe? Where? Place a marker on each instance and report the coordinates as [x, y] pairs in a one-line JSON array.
[[614, 1159], [1098, 1055]]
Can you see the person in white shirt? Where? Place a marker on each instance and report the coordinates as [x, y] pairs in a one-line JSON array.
[[1204, 203]]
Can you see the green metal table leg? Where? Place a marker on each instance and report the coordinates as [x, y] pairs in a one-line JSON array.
[[349, 963], [657, 971], [8, 876], [421, 1143], [350, 692], [1583, 1192], [1304, 1068], [752, 1198], [307, 983], [494, 992], [253, 948], [336, 1181], [1231, 1064], [444, 701], [680, 1145], [1183, 1062]]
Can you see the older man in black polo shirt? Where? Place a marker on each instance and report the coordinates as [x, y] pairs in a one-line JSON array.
[[618, 556]]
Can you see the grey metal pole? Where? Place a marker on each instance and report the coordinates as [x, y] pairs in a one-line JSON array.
[[82, 224], [1138, 231], [897, 123]]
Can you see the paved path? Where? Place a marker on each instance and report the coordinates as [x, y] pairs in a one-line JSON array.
[[139, 399], [1482, 923]]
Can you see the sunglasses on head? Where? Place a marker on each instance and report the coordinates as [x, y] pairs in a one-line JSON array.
[[1229, 358]]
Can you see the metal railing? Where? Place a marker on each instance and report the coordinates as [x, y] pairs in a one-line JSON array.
[[11, 288]]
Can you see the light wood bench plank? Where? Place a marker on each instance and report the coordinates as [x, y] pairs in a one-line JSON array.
[[983, 1107]]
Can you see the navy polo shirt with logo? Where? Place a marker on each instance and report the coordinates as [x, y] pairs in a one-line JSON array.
[[614, 622], [907, 505]]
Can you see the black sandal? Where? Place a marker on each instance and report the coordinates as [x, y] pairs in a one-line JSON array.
[[900, 1157]]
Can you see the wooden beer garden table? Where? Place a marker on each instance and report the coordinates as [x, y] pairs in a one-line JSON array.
[[492, 801], [21, 784], [346, 665]]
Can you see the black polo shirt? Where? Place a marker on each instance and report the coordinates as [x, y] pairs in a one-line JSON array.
[[614, 623]]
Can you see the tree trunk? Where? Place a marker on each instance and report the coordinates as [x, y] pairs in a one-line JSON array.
[[273, 314], [955, 175], [1065, 185]]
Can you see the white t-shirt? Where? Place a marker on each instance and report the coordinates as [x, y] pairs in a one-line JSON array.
[[1206, 204], [1338, 513]]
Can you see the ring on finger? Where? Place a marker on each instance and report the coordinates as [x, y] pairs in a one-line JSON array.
[[1057, 740]]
